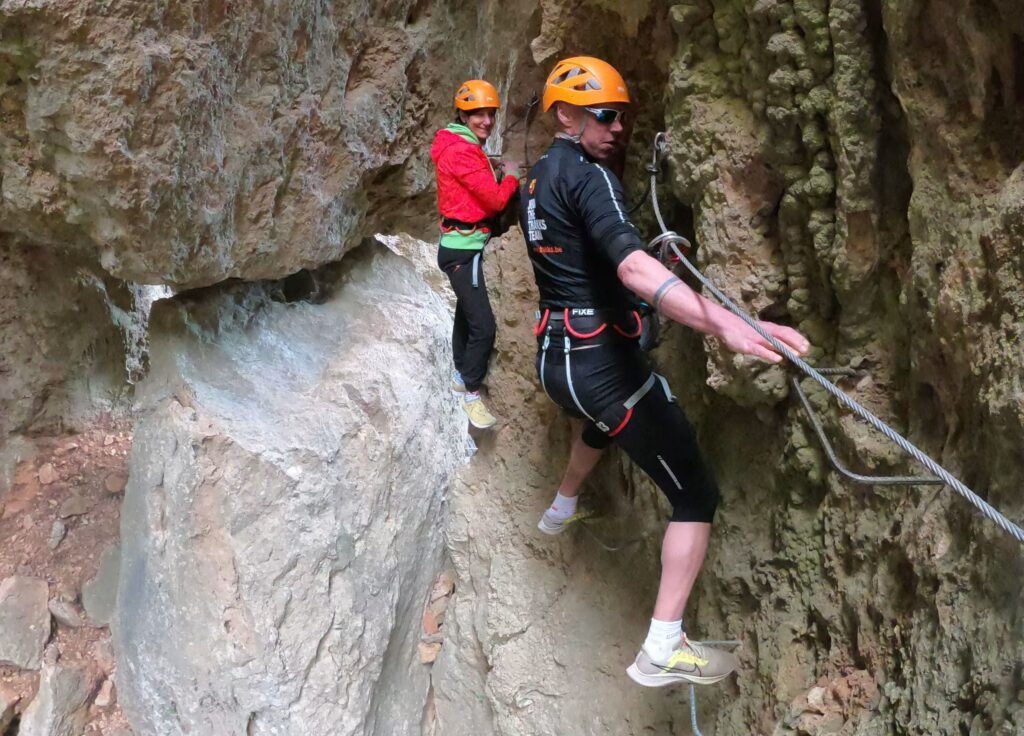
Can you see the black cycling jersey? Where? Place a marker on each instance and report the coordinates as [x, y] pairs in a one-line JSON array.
[[577, 231], [589, 362]]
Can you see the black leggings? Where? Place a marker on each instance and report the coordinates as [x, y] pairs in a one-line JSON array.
[[603, 380], [474, 328]]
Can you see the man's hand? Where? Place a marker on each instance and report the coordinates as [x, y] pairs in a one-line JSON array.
[[655, 284], [740, 338]]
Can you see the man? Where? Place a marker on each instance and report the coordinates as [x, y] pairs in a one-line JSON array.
[[589, 262], [469, 198]]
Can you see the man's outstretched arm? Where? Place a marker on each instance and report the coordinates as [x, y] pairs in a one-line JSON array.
[[651, 281]]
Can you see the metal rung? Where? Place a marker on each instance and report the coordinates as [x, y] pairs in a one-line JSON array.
[[878, 480]]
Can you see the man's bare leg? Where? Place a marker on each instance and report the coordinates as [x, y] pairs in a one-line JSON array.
[[666, 657], [582, 459], [682, 556]]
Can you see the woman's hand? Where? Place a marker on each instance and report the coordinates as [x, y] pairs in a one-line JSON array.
[[511, 168], [740, 338]]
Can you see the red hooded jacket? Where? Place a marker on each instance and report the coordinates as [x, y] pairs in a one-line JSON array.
[[466, 187]]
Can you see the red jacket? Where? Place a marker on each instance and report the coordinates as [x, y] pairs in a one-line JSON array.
[[466, 188]]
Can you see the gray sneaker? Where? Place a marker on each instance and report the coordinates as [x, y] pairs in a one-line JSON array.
[[691, 662]]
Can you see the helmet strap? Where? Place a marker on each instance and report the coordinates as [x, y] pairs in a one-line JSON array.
[[570, 137], [583, 126]]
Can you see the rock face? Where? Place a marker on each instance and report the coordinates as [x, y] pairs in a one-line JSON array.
[[847, 176], [6, 710], [61, 706], [99, 595], [24, 621], [189, 144], [283, 519], [62, 356]]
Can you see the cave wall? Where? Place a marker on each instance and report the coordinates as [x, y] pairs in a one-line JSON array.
[[852, 169]]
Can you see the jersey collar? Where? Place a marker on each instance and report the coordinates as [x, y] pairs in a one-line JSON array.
[[563, 140]]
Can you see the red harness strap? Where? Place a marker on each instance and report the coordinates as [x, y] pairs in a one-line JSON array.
[[581, 335], [635, 333], [629, 415], [473, 229], [539, 327]]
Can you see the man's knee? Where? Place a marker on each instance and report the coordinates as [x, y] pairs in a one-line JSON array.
[[594, 438], [697, 503]]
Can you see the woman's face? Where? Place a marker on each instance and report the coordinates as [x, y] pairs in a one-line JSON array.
[[480, 121]]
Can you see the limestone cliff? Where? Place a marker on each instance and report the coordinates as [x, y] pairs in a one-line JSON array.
[[846, 175]]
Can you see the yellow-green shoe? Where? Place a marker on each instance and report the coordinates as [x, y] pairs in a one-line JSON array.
[[690, 662], [478, 415], [550, 525]]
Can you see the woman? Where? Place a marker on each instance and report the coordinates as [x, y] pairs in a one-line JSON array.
[[469, 197]]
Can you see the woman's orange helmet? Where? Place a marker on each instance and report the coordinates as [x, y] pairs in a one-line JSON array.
[[476, 93], [583, 81]]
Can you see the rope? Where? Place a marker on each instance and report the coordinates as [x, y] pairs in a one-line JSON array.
[[672, 239]]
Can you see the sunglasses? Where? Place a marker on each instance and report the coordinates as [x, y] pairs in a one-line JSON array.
[[607, 115]]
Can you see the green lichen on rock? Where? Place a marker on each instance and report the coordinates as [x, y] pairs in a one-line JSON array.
[[895, 184]]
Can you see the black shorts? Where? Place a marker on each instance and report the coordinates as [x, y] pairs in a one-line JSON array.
[[605, 379]]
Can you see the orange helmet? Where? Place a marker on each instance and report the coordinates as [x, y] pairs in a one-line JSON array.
[[584, 80], [476, 93]]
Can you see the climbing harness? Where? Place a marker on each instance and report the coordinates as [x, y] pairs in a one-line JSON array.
[[589, 340], [669, 239], [451, 225], [566, 315]]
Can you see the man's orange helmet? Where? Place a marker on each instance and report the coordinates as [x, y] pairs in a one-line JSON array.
[[584, 81], [476, 93]]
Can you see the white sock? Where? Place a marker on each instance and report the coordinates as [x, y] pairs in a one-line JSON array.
[[662, 638], [563, 507], [471, 396]]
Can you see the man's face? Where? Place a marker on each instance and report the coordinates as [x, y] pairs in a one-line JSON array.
[[603, 140]]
